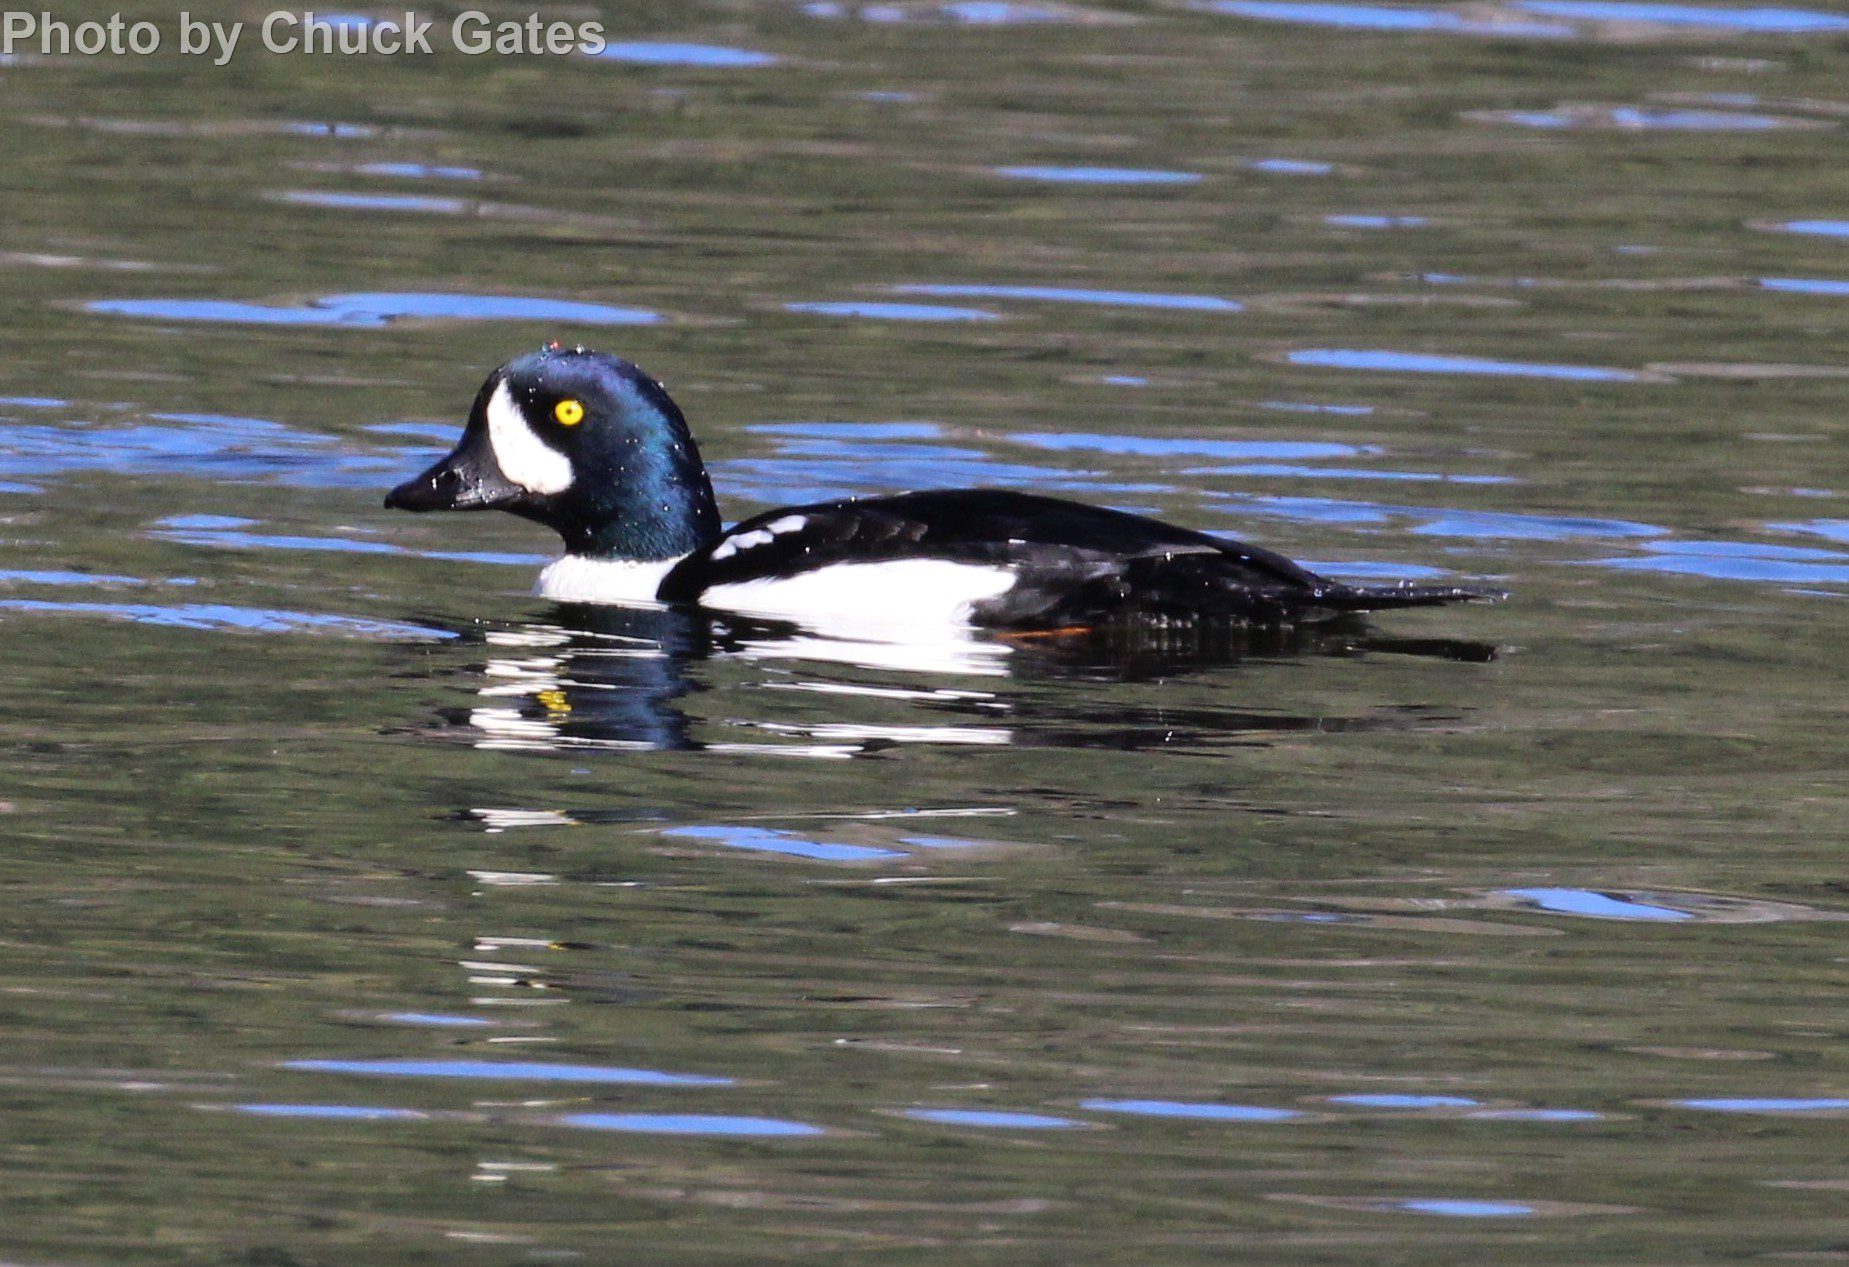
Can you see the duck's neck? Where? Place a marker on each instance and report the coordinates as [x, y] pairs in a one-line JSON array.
[[656, 519]]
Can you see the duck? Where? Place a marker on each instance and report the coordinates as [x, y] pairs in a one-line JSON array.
[[589, 445]]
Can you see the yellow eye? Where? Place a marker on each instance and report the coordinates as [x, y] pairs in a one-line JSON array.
[[569, 412]]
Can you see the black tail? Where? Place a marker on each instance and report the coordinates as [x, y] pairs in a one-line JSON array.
[[1368, 598]]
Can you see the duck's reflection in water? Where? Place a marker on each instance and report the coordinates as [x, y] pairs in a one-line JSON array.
[[598, 677], [612, 677]]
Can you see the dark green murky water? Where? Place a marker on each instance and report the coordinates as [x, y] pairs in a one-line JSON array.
[[361, 908]]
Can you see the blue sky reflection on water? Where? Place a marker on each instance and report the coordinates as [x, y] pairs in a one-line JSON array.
[[766, 840], [1373, 17], [665, 53], [1597, 905], [1432, 363], [1737, 561], [691, 1124], [1101, 175], [336, 200], [1807, 285], [201, 445], [1771, 1104], [224, 617], [1753, 18], [1462, 1207], [1819, 228], [1192, 1110], [437, 1020], [206, 531], [333, 1112]]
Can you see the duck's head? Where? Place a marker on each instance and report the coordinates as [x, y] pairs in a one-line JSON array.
[[588, 445]]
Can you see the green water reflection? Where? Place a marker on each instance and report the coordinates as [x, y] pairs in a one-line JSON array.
[[1309, 954]]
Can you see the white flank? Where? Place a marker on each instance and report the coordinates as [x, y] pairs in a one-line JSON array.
[[630, 582], [901, 599], [522, 456], [905, 614]]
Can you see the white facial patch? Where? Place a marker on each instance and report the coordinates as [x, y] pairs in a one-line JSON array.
[[757, 536], [522, 456]]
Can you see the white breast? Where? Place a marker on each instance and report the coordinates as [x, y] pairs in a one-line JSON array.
[[631, 582], [902, 597]]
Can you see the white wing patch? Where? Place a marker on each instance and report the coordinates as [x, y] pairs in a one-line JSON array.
[[757, 536], [900, 598], [630, 582], [522, 456]]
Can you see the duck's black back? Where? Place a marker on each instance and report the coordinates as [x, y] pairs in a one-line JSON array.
[[1073, 563]]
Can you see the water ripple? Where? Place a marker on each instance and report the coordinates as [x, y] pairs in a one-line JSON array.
[[1820, 1104], [1068, 295], [1738, 561], [211, 446], [1663, 907], [1461, 1208], [30, 576], [1638, 119], [1429, 363], [1442, 522], [370, 310], [1186, 446], [688, 1124], [336, 200], [1289, 166], [188, 530], [1832, 529], [215, 617], [510, 1071], [1368, 221], [894, 312], [659, 53], [1709, 17], [417, 171], [1821, 228], [1596, 905], [766, 840], [1102, 175], [435, 1020], [967, 13], [1369, 17], [1281, 470], [850, 430], [992, 1118], [1806, 285], [1196, 1110], [333, 1112]]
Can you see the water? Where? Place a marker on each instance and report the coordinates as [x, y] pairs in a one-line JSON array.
[[360, 905]]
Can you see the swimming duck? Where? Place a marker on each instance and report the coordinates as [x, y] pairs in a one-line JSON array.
[[589, 445]]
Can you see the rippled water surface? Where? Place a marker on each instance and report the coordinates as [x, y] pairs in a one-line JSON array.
[[361, 907]]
